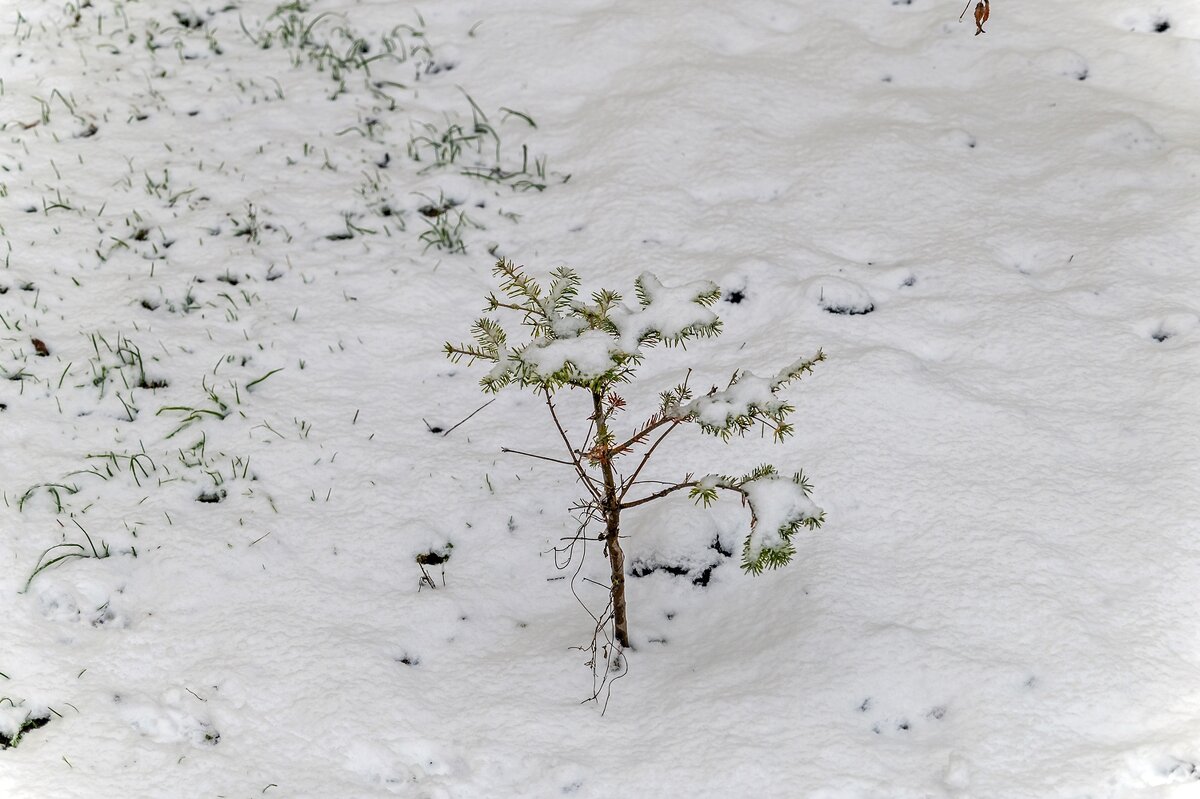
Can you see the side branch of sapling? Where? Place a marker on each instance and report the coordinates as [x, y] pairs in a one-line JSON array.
[[584, 477], [511, 451], [655, 422], [628, 484], [660, 494]]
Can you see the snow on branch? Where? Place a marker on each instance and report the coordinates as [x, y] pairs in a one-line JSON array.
[[779, 507], [748, 400], [587, 345]]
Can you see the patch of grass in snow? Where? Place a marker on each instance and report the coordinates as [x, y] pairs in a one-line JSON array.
[[476, 150], [71, 550], [165, 220], [328, 42], [16, 721], [445, 225]]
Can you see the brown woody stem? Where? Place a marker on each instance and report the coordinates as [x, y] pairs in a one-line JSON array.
[[610, 506]]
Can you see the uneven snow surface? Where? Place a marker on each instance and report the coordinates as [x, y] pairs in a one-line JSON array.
[[233, 241]]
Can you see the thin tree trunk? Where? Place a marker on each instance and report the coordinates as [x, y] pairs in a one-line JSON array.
[[612, 526], [616, 559]]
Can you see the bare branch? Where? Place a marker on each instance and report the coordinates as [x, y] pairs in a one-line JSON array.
[[469, 415], [658, 494], [628, 484], [495, 303], [584, 477], [539, 457], [641, 435]]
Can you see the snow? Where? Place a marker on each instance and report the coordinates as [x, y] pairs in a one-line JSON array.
[[779, 505], [579, 353], [667, 313], [587, 355], [1002, 600], [748, 395]]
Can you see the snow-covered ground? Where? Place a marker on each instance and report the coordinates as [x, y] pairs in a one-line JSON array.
[[233, 243]]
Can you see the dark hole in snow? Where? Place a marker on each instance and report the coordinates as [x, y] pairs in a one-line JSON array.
[[149, 305], [28, 287], [1160, 335], [153, 383], [87, 132], [1162, 26], [432, 211], [141, 117], [386, 210], [232, 280], [902, 2], [141, 234], [3, 406], [31, 723], [382, 163], [435, 557], [850, 310], [192, 113], [409, 660], [211, 497], [188, 20], [340, 236], [937, 713], [31, 210], [902, 726], [641, 569], [3, 289], [1081, 75], [435, 429], [735, 296], [717, 546], [866, 704]]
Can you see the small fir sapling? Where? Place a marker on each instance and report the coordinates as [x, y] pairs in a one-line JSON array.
[[591, 347]]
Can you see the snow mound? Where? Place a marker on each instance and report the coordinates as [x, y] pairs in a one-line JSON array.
[[176, 717], [836, 295]]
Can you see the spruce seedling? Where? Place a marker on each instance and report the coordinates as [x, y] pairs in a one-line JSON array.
[[591, 348]]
